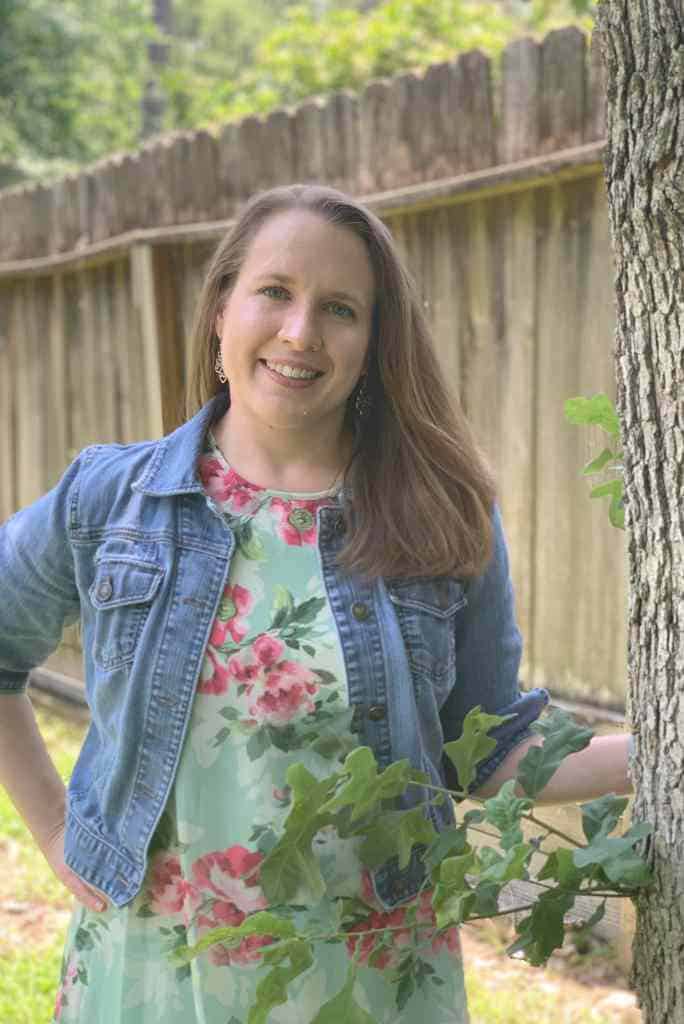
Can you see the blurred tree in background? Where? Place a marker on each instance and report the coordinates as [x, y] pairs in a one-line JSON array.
[[73, 75]]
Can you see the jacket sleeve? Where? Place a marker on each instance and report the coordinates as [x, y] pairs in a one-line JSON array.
[[488, 652], [38, 592]]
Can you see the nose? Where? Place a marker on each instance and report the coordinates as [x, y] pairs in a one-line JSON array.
[[301, 329]]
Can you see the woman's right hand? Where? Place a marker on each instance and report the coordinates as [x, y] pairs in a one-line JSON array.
[[53, 851]]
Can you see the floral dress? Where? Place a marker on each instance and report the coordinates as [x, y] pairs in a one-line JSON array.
[[272, 692]]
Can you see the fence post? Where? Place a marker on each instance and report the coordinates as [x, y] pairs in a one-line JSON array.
[[145, 303]]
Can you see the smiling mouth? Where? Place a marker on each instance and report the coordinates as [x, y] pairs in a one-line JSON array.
[[292, 372]]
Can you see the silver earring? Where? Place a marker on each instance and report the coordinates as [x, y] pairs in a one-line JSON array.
[[363, 402], [218, 367]]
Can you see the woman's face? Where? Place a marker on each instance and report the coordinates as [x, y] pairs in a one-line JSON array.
[[295, 328]]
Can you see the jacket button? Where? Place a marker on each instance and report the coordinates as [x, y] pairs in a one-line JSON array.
[[360, 611], [376, 712], [105, 589]]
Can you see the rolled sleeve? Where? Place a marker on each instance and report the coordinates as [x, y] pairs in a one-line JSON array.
[[488, 653], [38, 591]]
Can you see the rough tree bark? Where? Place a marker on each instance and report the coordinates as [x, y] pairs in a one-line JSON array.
[[643, 48]]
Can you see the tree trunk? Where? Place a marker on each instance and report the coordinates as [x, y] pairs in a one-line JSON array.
[[643, 47], [154, 101]]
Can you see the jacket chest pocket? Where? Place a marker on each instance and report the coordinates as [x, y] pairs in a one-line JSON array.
[[426, 610], [121, 594]]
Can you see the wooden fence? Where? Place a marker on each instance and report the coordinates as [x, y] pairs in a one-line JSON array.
[[491, 181]]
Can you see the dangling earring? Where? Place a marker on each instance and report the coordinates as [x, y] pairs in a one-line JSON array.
[[363, 402], [218, 367]]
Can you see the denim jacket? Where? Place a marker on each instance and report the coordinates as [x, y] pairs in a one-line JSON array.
[[129, 543]]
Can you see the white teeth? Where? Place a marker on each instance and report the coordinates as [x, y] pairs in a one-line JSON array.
[[291, 371]]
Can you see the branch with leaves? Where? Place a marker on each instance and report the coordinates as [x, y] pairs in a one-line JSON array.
[[599, 411], [359, 802]]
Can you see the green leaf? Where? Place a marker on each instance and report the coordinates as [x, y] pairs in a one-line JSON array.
[[614, 854], [454, 869], [291, 867], [561, 867], [258, 743], [500, 869], [308, 610], [597, 916], [562, 736], [486, 902], [504, 811], [221, 736], [395, 834], [599, 463], [232, 714], [251, 545], [271, 991], [452, 897], [325, 676], [597, 411], [261, 923], [452, 907], [607, 489], [405, 990], [542, 931], [449, 842], [614, 490], [365, 787], [473, 745], [343, 1006], [600, 817], [283, 606], [83, 940]]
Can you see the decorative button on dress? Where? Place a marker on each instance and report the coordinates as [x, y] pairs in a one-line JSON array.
[[272, 692]]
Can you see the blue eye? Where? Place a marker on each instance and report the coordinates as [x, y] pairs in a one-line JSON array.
[[348, 312]]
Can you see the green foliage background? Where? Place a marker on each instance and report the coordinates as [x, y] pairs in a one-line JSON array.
[[72, 74]]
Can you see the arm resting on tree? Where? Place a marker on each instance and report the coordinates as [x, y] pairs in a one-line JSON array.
[[602, 767]]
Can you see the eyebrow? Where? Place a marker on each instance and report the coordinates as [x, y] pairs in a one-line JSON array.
[[347, 296]]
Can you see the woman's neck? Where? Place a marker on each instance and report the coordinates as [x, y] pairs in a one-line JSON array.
[[283, 460]]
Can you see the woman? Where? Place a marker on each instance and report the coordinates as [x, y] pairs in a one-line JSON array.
[[312, 561]]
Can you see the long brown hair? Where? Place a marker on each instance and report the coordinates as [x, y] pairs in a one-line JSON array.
[[422, 492]]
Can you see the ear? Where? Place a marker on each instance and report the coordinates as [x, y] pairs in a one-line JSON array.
[[218, 322]]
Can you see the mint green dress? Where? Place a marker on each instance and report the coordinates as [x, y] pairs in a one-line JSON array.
[[272, 692]]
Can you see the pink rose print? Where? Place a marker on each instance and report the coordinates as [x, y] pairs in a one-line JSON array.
[[232, 876], [268, 649], [243, 669], [169, 891], [226, 486], [214, 676], [296, 520], [378, 918], [288, 689], [235, 603], [283, 797], [68, 993]]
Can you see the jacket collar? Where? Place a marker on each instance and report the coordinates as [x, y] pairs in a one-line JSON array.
[[173, 467]]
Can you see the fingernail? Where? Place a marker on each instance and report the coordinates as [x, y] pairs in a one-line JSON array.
[[99, 905]]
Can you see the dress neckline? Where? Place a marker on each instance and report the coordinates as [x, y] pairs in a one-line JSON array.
[[241, 481]]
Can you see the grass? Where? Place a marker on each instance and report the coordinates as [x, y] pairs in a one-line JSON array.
[[500, 991], [31, 943], [28, 984], [31, 879]]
